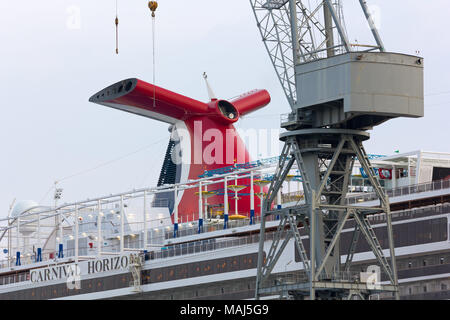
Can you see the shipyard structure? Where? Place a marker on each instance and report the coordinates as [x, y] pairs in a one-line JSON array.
[[323, 220]]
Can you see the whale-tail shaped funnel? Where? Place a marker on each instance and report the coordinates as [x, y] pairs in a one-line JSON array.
[[142, 98], [191, 121]]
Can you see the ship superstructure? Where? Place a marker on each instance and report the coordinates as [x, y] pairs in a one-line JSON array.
[[147, 260]]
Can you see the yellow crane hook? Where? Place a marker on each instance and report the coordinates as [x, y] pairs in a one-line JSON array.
[[153, 5], [117, 34]]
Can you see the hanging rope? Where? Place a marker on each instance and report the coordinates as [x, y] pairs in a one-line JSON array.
[[154, 62], [117, 29], [153, 5]]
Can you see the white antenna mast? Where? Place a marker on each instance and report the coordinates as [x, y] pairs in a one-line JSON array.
[[211, 94], [11, 206]]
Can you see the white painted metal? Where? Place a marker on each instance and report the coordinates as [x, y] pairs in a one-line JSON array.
[[225, 199], [145, 220], [18, 235], [236, 212], [122, 225], [39, 232], [175, 206], [200, 202], [99, 228], [77, 218], [205, 203]]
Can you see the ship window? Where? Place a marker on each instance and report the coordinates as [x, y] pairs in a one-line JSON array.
[[410, 291], [443, 286], [424, 288]]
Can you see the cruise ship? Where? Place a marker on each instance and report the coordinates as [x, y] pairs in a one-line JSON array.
[[195, 235]]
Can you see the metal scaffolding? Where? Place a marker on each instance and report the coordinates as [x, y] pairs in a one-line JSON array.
[[325, 159], [311, 53]]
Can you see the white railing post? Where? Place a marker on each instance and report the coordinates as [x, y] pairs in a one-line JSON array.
[[122, 225], [9, 243], [252, 198], [99, 229], [225, 204], [205, 204], [175, 213], [145, 221], [236, 197], [200, 208], [39, 231], [76, 233], [151, 236], [278, 202], [60, 224], [39, 249], [18, 242]]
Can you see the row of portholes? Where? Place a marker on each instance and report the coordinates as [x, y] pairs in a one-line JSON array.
[[52, 292], [198, 269], [67, 291], [190, 294]]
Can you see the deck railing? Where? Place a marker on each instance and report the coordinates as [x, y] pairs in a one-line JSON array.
[[177, 250], [402, 191]]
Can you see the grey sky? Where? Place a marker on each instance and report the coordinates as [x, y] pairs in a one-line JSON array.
[[49, 130]]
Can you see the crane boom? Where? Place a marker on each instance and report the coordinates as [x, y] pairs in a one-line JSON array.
[[296, 32]]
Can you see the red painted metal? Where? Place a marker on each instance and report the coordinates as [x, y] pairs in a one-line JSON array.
[[211, 130]]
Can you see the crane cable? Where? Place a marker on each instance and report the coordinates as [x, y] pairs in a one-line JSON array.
[[153, 5], [117, 29]]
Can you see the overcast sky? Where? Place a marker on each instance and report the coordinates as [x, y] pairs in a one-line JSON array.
[[50, 65]]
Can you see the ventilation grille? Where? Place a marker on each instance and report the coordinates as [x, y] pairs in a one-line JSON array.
[[169, 169]]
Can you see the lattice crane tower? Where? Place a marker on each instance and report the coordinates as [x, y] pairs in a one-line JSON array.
[[337, 91]]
